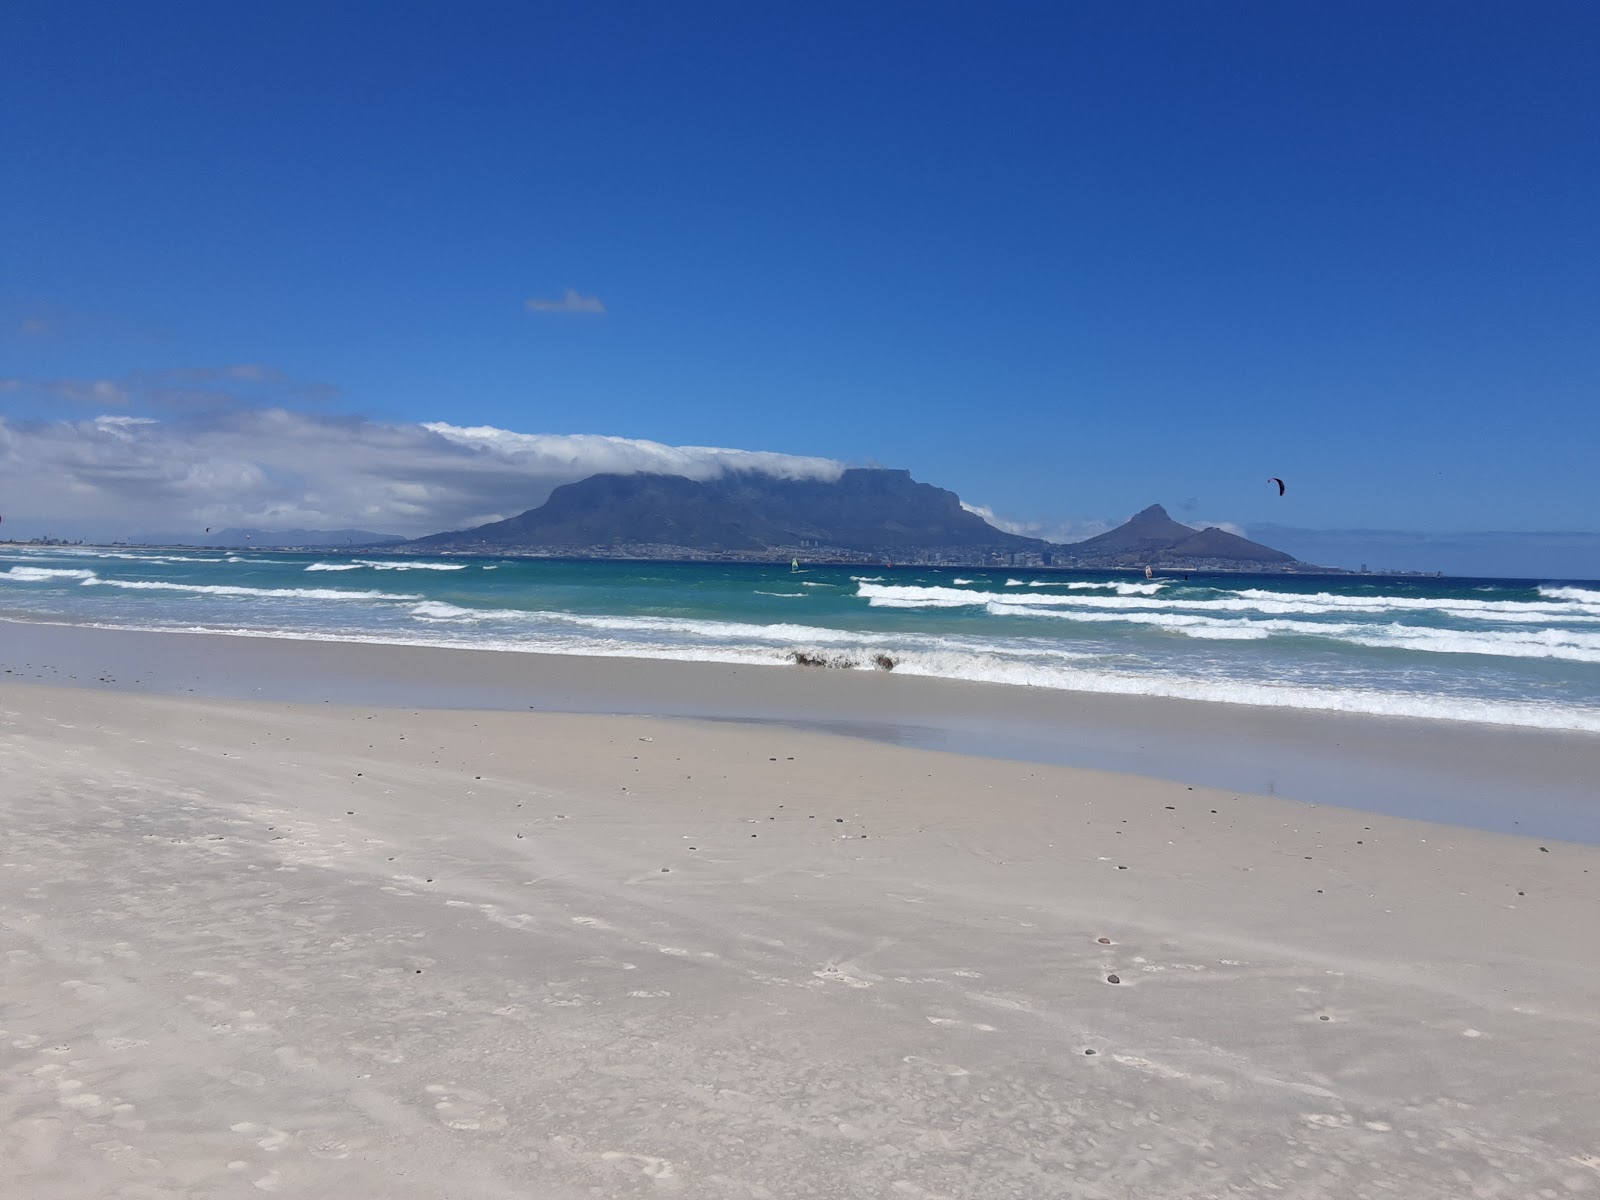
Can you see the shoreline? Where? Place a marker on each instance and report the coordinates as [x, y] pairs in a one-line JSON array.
[[1445, 771], [312, 949]]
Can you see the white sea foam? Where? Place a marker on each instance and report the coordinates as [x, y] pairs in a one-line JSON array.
[[322, 566], [787, 595], [1244, 602], [152, 558], [223, 589], [1190, 624], [781, 633], [1121, 589], [41, 574], [876, 579], [436, 610], [1547, 643], [1567, 645], [879, 579], [1577, 595], [1449, 604]]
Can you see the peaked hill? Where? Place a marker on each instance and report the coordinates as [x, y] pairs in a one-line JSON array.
[[1152, 536]]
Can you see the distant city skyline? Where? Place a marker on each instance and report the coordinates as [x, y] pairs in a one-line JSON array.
[[1066, 261]]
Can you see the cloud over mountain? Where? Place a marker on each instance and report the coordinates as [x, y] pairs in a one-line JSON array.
[[273, 467]]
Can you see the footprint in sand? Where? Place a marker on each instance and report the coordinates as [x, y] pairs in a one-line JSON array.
[[459, 1108], [292, 1057], [84, 990], [658, 1170], [38, 1141], [978, 1025], [943, 1068], [325, 1148]]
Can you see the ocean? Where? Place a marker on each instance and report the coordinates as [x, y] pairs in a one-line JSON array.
[[1502, 651]]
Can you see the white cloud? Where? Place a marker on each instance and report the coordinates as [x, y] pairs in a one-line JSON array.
[[272, 467], [1060, 530], [572, 302], [593, 453]]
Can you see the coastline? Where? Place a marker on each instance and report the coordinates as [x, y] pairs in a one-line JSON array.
[[314, 948], [1498, 778]]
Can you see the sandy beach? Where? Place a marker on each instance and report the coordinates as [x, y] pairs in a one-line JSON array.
[[321, 947]]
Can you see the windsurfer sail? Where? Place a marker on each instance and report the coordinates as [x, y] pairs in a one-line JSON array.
[[794, 565]]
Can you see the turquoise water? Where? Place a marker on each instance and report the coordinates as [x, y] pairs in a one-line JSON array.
[[1512, 652]]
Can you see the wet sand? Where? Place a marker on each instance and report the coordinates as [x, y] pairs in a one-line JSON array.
[[1526, 781], [326, 949]]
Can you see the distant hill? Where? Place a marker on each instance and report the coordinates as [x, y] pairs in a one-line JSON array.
[[865, 512], [1152, 537], [277, 539]]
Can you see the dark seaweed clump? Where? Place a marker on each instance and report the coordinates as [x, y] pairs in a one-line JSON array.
[[842, 662]]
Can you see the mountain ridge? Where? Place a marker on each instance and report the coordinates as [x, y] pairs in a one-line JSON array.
[[866, 515]]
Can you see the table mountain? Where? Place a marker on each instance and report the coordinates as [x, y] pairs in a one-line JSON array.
[[868, 511]]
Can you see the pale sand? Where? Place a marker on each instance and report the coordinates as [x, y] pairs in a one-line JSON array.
[[347, 952]]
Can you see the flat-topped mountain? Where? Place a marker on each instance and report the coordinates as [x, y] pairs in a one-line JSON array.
[[866, 511], [861, 516]]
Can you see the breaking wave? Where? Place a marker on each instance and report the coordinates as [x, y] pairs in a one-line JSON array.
[[41, 574], [226, 589], [1247, 601]]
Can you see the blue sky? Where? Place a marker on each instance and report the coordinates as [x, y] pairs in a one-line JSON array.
[[1065, 259]]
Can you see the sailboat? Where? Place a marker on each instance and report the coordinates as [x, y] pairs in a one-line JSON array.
[[794, 565]]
